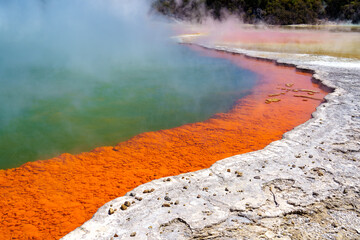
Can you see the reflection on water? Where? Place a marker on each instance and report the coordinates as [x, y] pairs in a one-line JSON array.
[[79, 74]]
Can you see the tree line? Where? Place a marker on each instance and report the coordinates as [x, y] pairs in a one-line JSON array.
[[280, 12]]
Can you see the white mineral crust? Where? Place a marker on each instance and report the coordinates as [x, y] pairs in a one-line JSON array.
[[305, 186]]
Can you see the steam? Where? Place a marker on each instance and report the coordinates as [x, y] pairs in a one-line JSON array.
[[77, 74], [333, 40], [54, 57], [91, 36]]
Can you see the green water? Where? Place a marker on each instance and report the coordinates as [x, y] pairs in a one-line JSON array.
[[70, 88]]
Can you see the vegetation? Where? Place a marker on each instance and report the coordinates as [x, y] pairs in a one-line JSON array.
[[269, 11]]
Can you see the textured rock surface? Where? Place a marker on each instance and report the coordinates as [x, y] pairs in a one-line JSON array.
[[305, 186]]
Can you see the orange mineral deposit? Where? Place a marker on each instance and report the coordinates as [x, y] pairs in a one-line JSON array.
[[47, 199]]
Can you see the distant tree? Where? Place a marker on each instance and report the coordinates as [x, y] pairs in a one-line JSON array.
[[165, 7], [216, 8], [185, 9], [270, 11], [292, 11], [351, 12], [343, 10], [333, 8]]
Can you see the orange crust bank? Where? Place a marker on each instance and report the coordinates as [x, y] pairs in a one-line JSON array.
[[47, 199]]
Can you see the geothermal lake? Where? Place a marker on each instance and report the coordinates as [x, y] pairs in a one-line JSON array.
[[75, 77]]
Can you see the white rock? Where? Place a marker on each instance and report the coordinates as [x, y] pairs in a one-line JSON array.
[[291, 202]]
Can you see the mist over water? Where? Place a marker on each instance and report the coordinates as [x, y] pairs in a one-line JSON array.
[[340, 41], [78, 74]]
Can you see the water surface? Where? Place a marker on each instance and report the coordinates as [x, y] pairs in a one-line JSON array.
[[75, 75]]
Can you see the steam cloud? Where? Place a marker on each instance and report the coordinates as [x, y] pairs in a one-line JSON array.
[[71, 69], [56, 54]]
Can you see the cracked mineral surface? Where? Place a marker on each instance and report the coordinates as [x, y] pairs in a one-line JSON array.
[[305, 186]]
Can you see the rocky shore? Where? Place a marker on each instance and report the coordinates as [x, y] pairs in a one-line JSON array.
[[305, 186]]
